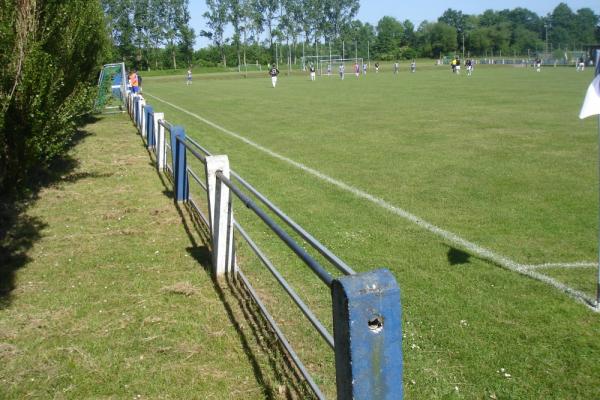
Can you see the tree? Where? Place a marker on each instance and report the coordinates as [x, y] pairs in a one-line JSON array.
[[410, 38], [437, 38], [454, 18], [337, 14], [216, 17], [390, 34], [50, 56], [187, 35], [562, 21], [585, 25], [120, 26], [236, 16], [270, 11]]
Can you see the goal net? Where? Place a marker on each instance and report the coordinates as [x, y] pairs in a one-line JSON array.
[[351, 66], [112, 85]]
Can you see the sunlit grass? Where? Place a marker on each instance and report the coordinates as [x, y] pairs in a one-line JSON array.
[[498, 158]]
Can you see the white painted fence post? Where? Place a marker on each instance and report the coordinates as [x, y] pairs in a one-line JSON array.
[[159, 133], [142, 117], [220, 215]]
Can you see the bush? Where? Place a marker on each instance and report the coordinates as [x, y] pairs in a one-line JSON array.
[[51, 52]]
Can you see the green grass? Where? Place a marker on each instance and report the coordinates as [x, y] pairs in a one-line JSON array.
[[109, 295], [498, 158]]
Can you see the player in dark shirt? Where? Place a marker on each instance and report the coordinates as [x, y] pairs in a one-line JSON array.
[[273, 72]]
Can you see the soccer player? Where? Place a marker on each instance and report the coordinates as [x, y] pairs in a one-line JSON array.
[[413, 66], [312, 72], [342, 72], [189, 77], [396, 68], [364, 68], [328, 69], [273, 72], [469, 65], [538, 64], [457, 66], [376, 68], [356, 69]]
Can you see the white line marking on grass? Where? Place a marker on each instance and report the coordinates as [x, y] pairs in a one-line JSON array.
[[582, 264], [481, 252]]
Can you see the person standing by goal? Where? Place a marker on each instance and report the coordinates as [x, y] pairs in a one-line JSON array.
[[312, 72], [273, 72]]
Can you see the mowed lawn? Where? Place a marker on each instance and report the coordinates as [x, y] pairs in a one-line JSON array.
[[499, 159]]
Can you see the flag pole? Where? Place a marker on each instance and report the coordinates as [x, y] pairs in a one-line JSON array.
[[597, 72], [597, 67]]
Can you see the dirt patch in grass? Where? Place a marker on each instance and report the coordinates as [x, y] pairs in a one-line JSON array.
[[184, 288]]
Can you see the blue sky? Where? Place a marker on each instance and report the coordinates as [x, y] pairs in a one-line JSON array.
[[419, 10]]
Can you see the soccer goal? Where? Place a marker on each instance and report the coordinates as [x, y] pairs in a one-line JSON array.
[[112, 86], [320, 63], [349, 64]]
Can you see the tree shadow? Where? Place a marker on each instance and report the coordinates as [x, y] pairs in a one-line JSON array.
[[20, 231]]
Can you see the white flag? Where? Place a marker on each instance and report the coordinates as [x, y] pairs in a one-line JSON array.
[[591, 103]]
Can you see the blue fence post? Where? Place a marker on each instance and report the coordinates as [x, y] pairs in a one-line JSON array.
[[149, 126], [179, 163], [367, 327]]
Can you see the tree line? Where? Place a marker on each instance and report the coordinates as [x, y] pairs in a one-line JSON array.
[[331, 22], [156, 33], [150, 34]]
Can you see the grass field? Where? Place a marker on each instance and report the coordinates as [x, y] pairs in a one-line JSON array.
[[104, 295], [498, 161]]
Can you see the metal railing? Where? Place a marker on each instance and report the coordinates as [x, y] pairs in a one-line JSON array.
[[360, 302]]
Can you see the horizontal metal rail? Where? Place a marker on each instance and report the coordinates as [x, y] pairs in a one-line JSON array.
[[283, 235], [192, 150], [324, 251], [197, 209], [196, 144], [165, 124], [303, 307], [197, 178], [281, 337]]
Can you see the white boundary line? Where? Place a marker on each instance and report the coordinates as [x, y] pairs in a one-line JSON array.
[[563, 265], [481, 252]]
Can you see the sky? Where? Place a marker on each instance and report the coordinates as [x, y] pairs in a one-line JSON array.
[[418, 11]]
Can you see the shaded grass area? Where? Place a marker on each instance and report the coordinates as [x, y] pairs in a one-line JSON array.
[[106, 292], [496, 159]]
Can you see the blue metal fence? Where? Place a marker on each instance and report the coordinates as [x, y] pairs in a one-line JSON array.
[[367, 320]]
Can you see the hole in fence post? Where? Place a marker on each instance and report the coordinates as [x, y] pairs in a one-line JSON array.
[[376, 324]]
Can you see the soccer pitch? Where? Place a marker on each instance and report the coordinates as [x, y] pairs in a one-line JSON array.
[[466, 188]]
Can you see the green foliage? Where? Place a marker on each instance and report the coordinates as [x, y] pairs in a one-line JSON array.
[[51, 55]]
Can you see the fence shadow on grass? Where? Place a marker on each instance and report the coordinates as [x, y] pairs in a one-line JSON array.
[[279, 379], [20, 231]]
